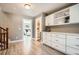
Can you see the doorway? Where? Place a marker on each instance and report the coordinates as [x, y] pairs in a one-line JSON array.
[[27, 32], [38, 28]]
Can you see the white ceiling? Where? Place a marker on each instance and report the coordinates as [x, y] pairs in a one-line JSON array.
[[36, 8]]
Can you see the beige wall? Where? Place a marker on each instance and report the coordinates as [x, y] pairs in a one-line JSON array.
[[74, 28], [14, 23], [3, 20], [15, 27]]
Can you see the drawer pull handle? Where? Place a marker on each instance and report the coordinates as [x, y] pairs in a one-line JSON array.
[[77, 38], [77, 53], [77, 45], [56, 40]]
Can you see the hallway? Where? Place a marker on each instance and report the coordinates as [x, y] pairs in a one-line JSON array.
[[36, 48]]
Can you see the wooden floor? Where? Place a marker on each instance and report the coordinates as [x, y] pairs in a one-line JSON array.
[[34, 48]]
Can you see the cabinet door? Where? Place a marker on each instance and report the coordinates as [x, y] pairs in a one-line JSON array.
[[72, 51], [47, 38], [60, 41], [60, 35], [50, 20], [74, 14], [59, 47], [73, 41], [44, 37], [46, 21]]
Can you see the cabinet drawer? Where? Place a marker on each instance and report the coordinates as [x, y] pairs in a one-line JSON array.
[[73, 43], [72, 51], [59, 47], [52, 39], [60, 35], [59, 40], [72, 37]]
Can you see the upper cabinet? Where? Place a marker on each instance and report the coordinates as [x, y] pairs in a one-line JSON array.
[[66, 16], [58, 18], [62, 17], [74, 14], [49, 20]]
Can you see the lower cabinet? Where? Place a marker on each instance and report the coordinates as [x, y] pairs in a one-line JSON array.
[[73, 40], [54, 40], [72, 44], [72, 51], [63, 42], [59, 47], [46, 38], [59, 40]]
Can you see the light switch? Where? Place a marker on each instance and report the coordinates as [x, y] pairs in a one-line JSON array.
[[19, 28]]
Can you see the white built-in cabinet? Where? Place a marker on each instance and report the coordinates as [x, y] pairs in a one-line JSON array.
[[61, 17], [49, 20], [54, 40], [72, 44], [74, 14], [67, 43]]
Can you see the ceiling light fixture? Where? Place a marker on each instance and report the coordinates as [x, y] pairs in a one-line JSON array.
[[27, 6]]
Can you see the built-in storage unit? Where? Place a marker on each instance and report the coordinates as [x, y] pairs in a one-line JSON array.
[[54, 40], [72, 43], [66, 42], [49, 20], [69, 15], [74, 14], [62, 17], [58, 18]]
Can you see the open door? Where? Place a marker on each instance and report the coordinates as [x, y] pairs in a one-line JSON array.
[[27, 32]]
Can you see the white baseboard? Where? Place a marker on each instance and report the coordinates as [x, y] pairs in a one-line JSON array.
[[15, 41]]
